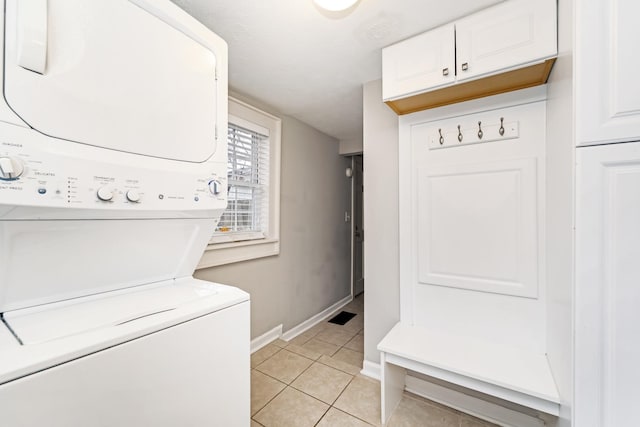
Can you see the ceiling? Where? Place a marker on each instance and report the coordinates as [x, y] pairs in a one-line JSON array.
[[311, 64]]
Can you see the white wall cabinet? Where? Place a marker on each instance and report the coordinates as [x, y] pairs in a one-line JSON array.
[[607, 293], [509, 35], [608, 89], [427, 60]]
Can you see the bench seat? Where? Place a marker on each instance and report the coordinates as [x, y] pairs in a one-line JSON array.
[[512, 374]]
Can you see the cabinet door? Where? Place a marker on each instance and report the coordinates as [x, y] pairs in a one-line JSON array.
[[505, 36], [419, 63], [607, 63], [607, 294]]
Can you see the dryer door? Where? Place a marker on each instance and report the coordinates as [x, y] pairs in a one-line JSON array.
[[113, 75]]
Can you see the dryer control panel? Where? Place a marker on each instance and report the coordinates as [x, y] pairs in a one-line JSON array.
[[33, 173]]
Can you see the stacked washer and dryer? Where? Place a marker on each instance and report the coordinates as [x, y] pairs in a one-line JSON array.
[[112, 176]]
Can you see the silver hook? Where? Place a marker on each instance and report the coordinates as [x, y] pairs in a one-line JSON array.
[[501, 130], [441, 137], [459, 134], [480, 133]]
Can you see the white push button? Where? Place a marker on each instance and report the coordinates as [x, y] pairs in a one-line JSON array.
[[105, 194], [133, 196]]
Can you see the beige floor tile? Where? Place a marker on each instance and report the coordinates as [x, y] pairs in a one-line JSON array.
[[356, 344], [305, 336], [321, 347], [299, 340], [263, 389], [351, 357], [317, 329], [284, 366], [361, 399], [263, 354], [280, 343], [340, 365], [302, 351], [336, 336], [322, 382], [291, 408], [355, 325], [355, 306], [335, 418], [255, 424], [413, 412]]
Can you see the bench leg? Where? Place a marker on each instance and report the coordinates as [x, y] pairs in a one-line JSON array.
[[392, 381]]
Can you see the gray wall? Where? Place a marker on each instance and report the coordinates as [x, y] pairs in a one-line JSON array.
[[313, 270], [559, 220], [350, 146], [381, 271]]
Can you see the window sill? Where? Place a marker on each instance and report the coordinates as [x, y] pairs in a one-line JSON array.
[[228, 253]]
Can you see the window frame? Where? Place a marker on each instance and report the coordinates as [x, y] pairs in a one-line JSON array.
[[245, 115]]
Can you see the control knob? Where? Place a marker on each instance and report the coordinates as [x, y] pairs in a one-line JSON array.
[[105, 194], [133, 196], [11, 168], [215, 186]]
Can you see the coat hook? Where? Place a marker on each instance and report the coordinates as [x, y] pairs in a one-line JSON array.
[[501, 130], [459, 134], [441, 137], [480, 133]]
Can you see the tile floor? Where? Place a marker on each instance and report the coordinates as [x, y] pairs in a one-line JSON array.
[[314, 380]]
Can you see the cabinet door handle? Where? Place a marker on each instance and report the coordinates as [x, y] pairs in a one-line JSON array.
[[445, 71], [465, 66]]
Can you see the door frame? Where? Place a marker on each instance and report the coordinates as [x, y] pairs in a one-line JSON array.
[[353, 222]]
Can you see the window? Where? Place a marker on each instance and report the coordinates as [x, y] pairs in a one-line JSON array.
[[247, 214], [249, 227]]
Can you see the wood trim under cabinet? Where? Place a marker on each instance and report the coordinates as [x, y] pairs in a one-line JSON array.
[[533, 75]]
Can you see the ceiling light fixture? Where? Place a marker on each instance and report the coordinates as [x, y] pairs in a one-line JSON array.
[[335, 5]]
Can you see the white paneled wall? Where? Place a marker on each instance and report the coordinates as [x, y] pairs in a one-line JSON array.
[[473, 249]]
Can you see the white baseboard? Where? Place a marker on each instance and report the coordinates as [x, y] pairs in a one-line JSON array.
[[266, 338], [371, 370], [312, 321], [471, 405]]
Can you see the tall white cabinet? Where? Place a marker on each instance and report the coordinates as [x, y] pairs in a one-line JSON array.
[[607, 254], [607, 63], [607, 296]]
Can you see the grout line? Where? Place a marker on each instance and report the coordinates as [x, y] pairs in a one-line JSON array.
[[270, 400], [323, 415]]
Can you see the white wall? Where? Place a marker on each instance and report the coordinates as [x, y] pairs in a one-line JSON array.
[[381, 276], [560, 209], [312, 271]]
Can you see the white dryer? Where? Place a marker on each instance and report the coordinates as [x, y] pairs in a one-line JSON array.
[[112, 165]]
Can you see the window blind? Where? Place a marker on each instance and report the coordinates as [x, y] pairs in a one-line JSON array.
[[247, 213]]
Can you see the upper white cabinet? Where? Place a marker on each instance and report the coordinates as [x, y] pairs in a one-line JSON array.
[[608, 88], [509, 46], [433, 66], [505, 36]]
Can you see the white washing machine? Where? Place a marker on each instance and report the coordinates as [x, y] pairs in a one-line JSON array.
[[112, 177]]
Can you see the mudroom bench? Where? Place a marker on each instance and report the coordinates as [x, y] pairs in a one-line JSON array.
[[508, 373]]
